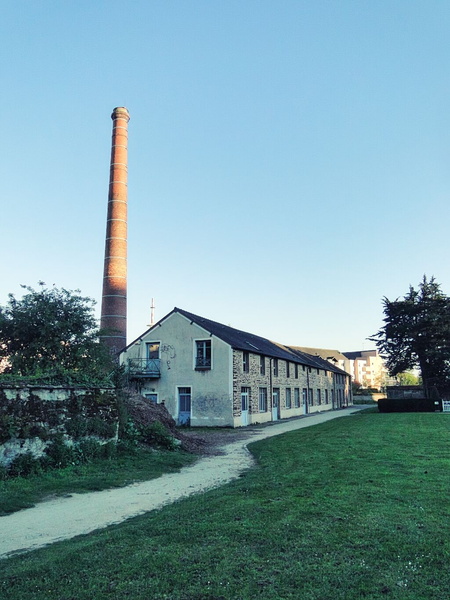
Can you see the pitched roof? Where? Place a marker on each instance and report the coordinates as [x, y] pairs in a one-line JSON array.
[[319, 362], [326, 353], [242, 340], [360, 354]]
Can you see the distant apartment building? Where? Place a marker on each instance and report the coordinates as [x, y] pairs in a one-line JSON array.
[[367, 368], [333, 356]]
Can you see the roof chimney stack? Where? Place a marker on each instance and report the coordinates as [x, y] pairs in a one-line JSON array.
[[114, 298]]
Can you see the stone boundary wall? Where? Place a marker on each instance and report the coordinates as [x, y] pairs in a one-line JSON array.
[[31, 417], [369, 397]]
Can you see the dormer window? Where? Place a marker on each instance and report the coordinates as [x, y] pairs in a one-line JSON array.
[[203, 354]]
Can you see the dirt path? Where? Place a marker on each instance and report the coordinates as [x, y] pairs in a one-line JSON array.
[[67, 517]]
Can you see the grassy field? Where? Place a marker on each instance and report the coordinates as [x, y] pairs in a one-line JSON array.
[[144, 464], [354, 508]]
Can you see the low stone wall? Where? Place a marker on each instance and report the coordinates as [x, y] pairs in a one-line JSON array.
[[367, 398], [32, 417]]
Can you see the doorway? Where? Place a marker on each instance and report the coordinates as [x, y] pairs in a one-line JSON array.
[[275, 404], [245, 395], [184, 405]]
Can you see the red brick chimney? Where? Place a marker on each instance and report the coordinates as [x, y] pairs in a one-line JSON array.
[[114, 299]]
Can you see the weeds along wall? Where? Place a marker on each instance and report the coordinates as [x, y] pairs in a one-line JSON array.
[[34, 417]]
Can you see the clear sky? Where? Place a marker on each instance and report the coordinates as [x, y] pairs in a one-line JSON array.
[[289, 161]]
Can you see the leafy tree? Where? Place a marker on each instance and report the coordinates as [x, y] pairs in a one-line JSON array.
[[416, 333], [52, 333], [407, 378]]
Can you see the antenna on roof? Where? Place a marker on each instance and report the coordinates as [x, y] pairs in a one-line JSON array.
[[152, 313]]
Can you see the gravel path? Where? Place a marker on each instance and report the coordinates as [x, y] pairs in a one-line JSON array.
[[66, 517]]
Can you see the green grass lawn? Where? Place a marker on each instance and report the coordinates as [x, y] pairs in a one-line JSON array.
[[354, 508], [23, 492]]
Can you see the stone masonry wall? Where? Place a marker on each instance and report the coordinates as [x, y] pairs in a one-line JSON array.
[[31, 417], [308, 378]]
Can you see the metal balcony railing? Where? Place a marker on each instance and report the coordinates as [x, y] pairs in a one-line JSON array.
[[144, 367]]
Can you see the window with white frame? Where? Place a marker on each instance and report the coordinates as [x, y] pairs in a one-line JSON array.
[[288, 398], [153, 350], [296, 397], [245, 398], [262, 399], [152, 398], [319, 397], [203, 354]]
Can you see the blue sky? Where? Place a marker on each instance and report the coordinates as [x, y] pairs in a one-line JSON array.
[[289, 161]]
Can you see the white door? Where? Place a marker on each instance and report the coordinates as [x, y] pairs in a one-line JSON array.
[[275, 404], [244, 406]]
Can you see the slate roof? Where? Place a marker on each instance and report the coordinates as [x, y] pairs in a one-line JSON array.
[[325, 353], [242, 340], [359, 354]]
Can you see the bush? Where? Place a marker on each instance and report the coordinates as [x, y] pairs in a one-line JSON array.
[[80, 426], [408, 405], [129, 437], [24, 465], [157, 435], [88, 450], [59, 454]]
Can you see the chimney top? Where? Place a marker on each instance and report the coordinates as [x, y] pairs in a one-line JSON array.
[[120, 112]]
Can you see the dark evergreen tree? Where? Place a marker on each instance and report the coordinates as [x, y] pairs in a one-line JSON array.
[[416, 334]]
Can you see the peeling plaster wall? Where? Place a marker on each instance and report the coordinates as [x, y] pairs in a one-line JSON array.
[[30, 417], [211, 389]]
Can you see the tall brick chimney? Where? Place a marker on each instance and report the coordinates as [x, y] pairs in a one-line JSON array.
[[114, 298]]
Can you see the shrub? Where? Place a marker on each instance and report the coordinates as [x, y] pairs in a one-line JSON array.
[[59, 454], [24, 465], [88, 450], [157, 435], [408, 405], [129, 437]]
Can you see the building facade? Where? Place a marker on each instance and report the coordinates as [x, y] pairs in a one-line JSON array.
[[209, 374], [367, 368]]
